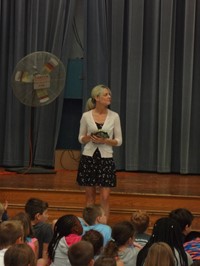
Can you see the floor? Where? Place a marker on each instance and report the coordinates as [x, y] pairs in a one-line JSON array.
[[127, 182]]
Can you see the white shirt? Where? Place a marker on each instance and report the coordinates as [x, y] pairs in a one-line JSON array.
[[61, 257], [111, 125], [2, 252]]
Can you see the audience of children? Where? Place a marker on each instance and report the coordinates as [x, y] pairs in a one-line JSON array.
[[140, 220], [94, 218], [37, 210], [184, 218], [81, 254], [90, 241], [96, 239], [11, 232], [67, 231], [121, 246], [166, 230], [160, 254]]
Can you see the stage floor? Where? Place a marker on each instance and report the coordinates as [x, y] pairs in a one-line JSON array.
[[156, 193], [127, 182]]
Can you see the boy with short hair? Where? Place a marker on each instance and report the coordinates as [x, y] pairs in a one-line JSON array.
[[140, 220], [37, 210], [81, 254], [11, 232], [94, 218], [184, 217]]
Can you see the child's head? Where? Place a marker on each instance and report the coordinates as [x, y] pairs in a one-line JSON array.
[[166, 230], [94, 214], [11, 232], [140, 220], [20, 254], [122, 233], [37, 209], [81, 254], [184, 218], [68, 224], [160, 253], [26, 223], [96, 239], [65, 225]]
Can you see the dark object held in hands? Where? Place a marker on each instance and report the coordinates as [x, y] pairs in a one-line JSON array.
[[101, 134]]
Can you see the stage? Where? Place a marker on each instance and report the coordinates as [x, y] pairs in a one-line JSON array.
[[156, 193]]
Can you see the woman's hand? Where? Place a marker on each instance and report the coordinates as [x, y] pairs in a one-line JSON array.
[[97, 140]]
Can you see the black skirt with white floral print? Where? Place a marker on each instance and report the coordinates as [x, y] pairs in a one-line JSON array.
[[96, 171]]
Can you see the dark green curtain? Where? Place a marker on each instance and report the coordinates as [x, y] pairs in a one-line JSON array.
[[148, 53], [27, 26]]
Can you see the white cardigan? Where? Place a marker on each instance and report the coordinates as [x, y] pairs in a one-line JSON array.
[[111, 125]]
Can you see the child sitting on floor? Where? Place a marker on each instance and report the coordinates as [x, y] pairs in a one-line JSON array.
[[20, 254], [96, 239], [94, 218], [28, 231], [11, 232], [37, 210], [81, 254], [140, 221], [67, 231]]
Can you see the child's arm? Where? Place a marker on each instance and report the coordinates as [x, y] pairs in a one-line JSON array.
[[5, 216], [36, 244], [42, 262], [45, 252]]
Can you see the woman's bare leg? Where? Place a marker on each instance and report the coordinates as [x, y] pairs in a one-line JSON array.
[[90, 195], [104, 199]]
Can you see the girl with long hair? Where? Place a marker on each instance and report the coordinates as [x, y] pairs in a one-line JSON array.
[[166, 230], [121, 247], [67, 231]]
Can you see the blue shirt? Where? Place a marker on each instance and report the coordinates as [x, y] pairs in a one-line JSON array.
[[104, 229]]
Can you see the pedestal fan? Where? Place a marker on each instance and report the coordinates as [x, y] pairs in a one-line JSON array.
[[38, 80]]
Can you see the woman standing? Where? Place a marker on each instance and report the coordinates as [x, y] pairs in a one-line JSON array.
[[100, 130]]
